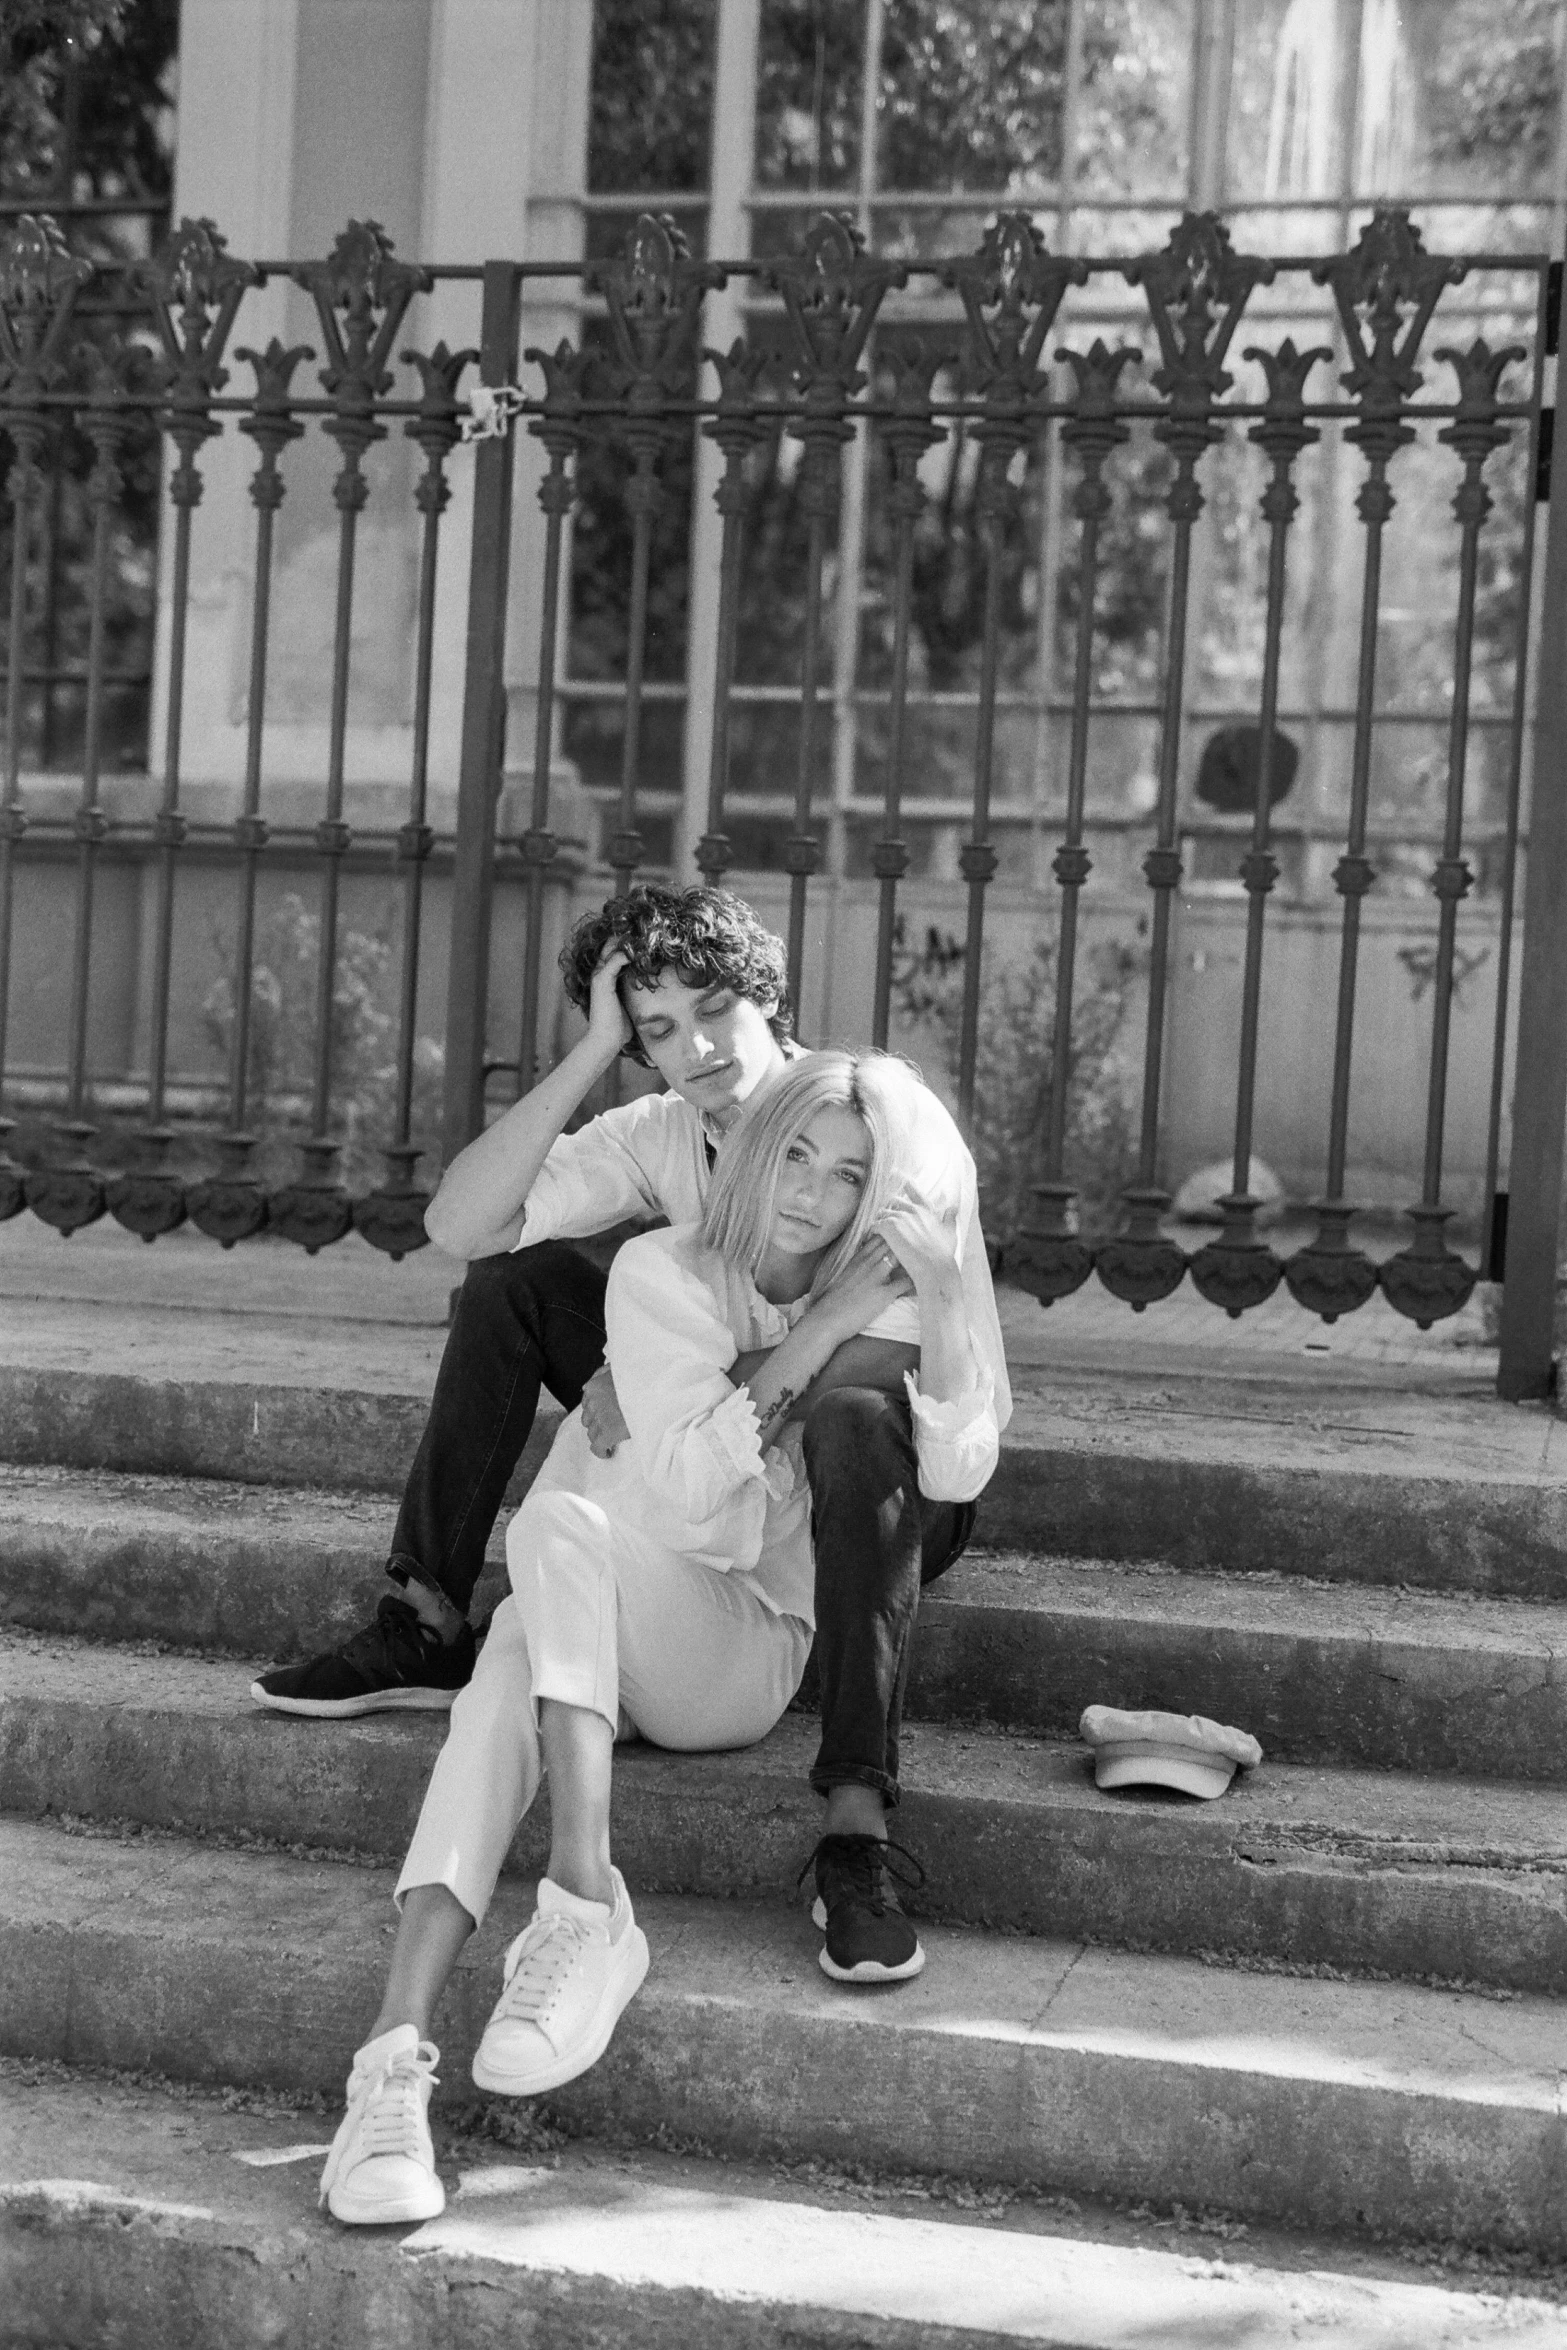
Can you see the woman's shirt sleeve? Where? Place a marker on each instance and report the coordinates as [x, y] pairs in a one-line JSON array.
[[695, 1438], [958, 1443]]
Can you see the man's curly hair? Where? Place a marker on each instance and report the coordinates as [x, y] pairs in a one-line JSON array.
[[708, 937]]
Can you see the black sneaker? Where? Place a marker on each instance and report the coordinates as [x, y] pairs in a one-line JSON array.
[[869, 1940], [397, 1664]]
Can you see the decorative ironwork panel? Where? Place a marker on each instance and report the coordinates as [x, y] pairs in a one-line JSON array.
[[1022, 469]]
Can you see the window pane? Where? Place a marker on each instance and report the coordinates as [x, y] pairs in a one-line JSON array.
[[912, 233], [606, 231], [947, 602], [1129, 594], [770, 639], [1443, 96], [808, 72], [593, 735], [764, 751], [652, 100], [971, 93], [1132, 120], [601, 555], [938, 753]]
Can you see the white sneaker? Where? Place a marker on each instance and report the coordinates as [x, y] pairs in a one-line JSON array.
[[382, 2164], [570, 1974]]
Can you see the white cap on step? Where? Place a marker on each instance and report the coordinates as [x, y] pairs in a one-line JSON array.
[[1184, 1751]]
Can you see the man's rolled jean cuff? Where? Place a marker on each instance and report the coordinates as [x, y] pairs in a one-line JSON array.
[[826, 1776], [403, 1570]]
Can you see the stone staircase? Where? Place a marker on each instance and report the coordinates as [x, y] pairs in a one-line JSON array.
[[1315, 2028]]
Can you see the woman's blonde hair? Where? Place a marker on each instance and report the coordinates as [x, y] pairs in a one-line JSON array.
[[875, 1086]]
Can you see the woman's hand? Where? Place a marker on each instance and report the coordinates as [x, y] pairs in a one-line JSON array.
[[924, 1242], [609, 1029], [872, 1280], [603, 1421]]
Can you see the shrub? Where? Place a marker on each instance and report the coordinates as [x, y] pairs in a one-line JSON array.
[[1015, 1076], [364, 1045]]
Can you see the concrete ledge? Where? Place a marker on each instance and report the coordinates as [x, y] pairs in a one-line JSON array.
[[1451, 1495], [1393, 1490], [1408, 1680], [181, 2245], [1459, 1879], [1340, 2106]]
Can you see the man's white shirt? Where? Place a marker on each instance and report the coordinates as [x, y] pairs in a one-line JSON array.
[[650, 1158]]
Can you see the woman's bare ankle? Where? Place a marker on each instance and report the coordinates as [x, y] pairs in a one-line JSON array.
[[392, 2019], [588, 1878]]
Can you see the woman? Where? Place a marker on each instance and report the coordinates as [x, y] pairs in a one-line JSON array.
[[667, 1588]]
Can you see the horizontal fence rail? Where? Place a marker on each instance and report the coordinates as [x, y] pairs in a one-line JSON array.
[[998, 366]]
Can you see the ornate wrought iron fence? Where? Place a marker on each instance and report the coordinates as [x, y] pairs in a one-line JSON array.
[[643, 391]]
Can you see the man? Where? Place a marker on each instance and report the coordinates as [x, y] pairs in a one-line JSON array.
[[689, 983]]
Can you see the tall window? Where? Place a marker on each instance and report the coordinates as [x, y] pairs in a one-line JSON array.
[[1104, 118], [87, 134]]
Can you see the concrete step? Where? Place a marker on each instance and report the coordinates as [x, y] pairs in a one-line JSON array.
[[1454, 1879], [1343, 2107], [1412, 1680], [166, 2223], [260, 1570], [1446, 1489], [1390, 1678]]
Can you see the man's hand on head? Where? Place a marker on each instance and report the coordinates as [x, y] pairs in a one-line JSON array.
[[603, 1421]]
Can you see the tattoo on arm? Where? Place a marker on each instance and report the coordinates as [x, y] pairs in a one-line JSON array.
[[775, 1414]]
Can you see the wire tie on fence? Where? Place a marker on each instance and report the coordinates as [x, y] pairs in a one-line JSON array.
[[491, 408]]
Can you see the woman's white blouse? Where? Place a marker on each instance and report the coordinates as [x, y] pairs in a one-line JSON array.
[[693, 1470]]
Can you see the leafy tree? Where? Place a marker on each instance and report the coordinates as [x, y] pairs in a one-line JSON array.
[[652, 94], [122, 54], [1494, 88]]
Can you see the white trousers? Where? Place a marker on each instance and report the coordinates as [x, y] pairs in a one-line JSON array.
[[604, 1618]]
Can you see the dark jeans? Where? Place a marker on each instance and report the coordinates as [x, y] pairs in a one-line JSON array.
[[535, 1318]]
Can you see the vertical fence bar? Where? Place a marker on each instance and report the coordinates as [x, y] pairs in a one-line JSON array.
[[392, 1217], [231, 1205], [803, 852], [1237, 1270], [39, 283], [1534, 1190], [193, 288], [832, 289], [1196, 289], [1388, 278], [908, 433], [560, 430], [737, 431], [1047, 1257], [645, 499], [361, 280], [1011, 290], [1427, 1281], [653, 294], [72, 1195], [20, 486], [483, 730], [1493, 1231]]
